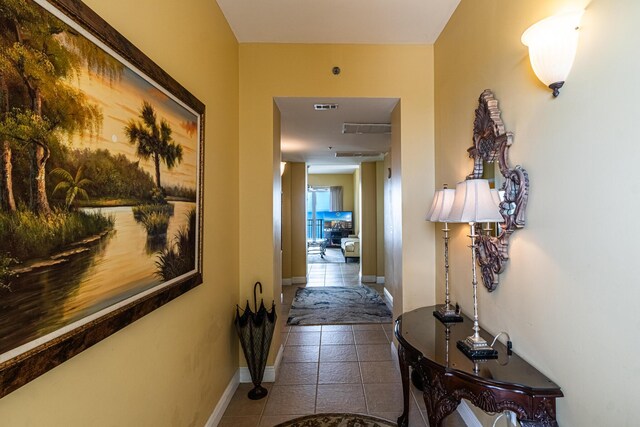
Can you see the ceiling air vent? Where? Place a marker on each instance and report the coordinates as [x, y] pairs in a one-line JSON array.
[[359, 154], [324, 107], [366, 128]]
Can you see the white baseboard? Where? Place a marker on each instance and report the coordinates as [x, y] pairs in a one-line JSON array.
[[467, 415], [218, 411], [299, 280], [380, 280], [270, 372], [286, 282], [368, 279], [388, 295]]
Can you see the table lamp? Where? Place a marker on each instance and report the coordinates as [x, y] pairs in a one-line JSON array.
[[439, 212], [474, 203]]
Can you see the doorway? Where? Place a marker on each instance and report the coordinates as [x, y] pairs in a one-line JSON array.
[[340, 144]]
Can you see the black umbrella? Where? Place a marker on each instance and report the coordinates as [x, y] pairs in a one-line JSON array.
[[255, 331]]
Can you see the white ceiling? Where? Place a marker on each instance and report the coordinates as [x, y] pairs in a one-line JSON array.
[[337, 21], [307, 134]]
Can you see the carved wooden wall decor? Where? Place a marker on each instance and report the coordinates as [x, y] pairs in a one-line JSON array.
[[491, 143]]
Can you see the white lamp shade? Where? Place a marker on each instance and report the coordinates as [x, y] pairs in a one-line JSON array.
[[552, 46], [474, 203], [441, 206], [496, 197]]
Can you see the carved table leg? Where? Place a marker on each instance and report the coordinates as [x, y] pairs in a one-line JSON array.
[[403, 420], [544, 414], [439, 401]]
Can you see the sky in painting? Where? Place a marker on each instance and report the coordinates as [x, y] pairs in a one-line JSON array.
[[120, 101]]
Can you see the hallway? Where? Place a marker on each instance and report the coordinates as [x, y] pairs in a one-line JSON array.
[[331, 368]]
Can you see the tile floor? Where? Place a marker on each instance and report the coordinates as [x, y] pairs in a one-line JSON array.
[[330, 368]]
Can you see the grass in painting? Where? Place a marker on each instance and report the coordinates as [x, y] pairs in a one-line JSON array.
[[26, 235], [142, 211], [156, 223], [180, 257], [5, 271]]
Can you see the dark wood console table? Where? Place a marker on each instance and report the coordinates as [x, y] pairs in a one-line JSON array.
[[508, 383]]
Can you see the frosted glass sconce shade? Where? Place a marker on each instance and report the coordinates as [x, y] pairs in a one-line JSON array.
[[552, 45], [474, 202], [441, 206]]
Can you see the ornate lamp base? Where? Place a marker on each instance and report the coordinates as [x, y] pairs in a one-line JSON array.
[[447, 314], [475, 350]]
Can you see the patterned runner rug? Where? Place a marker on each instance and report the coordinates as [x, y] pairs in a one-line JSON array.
[[338, 305], [337, 420]]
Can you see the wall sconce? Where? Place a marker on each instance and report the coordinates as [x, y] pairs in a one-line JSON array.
[[552, 45], [282, 166]]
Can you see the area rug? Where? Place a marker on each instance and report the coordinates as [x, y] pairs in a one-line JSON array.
[[337, 420], [338, 305], [331, 256]]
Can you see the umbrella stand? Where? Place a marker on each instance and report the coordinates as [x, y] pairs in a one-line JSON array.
[[255, 330]]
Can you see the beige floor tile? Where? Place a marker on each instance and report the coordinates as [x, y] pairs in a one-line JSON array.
[[301, 353], [416, 417], [384, 398], [241, 405], [291, 399], [297, 373], [252, 421], [419, 397], [368, 327], [336, 338], [374, 352], [304, 329], [389, 334], [369, 337], [338, 353], [380, 372], [339, 373], [336, 328], [274, 420], [340, 398], [453, 420], [303, 338]]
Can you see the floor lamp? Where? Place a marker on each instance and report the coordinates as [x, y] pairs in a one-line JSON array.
[[439, 212], [474, 203]]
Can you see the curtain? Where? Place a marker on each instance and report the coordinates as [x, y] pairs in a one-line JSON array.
[[336, 198]]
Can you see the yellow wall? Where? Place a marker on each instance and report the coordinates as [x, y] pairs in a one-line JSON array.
[[171, 367], [298, 221], [343, 180], [357, 202], [569, 295], [287, 70], [380, 177], [369, 225], [286, 222]]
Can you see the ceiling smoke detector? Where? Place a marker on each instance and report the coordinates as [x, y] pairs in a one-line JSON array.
[[366, 128], [359, 154], [324, 107]]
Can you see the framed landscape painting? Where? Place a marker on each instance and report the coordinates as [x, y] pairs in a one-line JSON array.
[[101, 166]]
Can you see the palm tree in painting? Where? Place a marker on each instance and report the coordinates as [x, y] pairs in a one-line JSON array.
[[154, 140], [74, 186]]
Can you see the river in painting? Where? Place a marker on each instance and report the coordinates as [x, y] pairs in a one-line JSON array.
[[121, 264]]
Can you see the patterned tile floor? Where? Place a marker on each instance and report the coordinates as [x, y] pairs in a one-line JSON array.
[[330, 368]]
